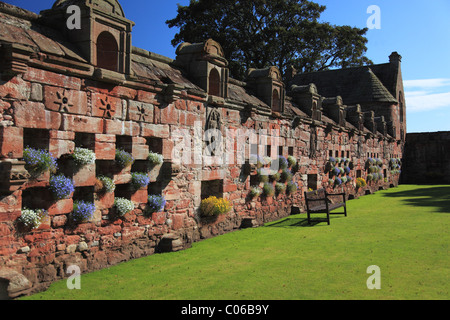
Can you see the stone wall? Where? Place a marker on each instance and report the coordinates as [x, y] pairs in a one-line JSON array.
[[427, 158], [57, 102]]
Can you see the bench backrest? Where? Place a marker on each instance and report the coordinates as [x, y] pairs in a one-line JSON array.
[[314, 195]]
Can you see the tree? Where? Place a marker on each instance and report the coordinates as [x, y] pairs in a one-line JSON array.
[[262, 33]]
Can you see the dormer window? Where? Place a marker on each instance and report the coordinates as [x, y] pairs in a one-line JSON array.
[[214, 83], [107, 52], [206, 65], [268, 86]]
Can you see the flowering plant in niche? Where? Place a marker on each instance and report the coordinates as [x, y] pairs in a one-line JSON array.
[[123, 158], [155, 158], [32, 219], [139, 180], [280, 188], [268, 190], [156, 203], [106, 184], [38, 161], [123, 206], [83, 157], [255, 192], [292, 187], [83, 211], [61, 187], [214, 206]]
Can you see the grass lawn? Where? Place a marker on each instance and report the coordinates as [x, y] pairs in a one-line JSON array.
[[404, 231]]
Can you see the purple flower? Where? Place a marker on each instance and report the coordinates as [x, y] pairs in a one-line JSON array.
[[139, 180], [61, 187], [156, 203], [83, 211], [39, 161]]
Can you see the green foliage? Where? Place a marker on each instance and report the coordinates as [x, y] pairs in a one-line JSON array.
[[268, 190], [262, 175], [280, 188], [255, 192], [257, 34], [107, 184], [292, 161]]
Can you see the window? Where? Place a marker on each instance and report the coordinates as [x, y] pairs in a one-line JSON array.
[[212, 188], [36, 138], [85, 140], [276, 103], [125, 143], [291, 151], [312, 181], [107, 52], [214, 83], [400, 98]]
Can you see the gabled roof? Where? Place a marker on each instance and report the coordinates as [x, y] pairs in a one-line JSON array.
[[355, 85]]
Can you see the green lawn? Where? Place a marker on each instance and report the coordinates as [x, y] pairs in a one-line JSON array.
[[404, 231]]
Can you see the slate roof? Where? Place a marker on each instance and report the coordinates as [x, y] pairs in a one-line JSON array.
[[355, 85]]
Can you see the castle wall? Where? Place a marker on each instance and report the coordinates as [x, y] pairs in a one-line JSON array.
[[53, 99], [35, 114]]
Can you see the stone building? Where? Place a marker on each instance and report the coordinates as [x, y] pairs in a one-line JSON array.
[[89, 88]]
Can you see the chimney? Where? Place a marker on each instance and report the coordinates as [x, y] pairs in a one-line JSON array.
[[395, 58]]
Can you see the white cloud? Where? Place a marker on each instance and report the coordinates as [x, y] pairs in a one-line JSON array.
[[426, 83], [427, 101], [427, 94]]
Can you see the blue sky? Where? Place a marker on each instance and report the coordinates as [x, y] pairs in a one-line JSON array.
[[418, 30]]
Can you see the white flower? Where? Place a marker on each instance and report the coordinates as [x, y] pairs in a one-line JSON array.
[[31, 218], [123, 206], [83, 156], [155, 158]]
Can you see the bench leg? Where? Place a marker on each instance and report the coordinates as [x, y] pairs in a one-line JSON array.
[[328, 218]]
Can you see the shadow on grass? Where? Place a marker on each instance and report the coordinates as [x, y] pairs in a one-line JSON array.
[[437, 197], [296, 221]]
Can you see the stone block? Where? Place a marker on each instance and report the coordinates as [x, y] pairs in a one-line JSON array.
[[61, 207], [104, 201], [11, 142], [140, 196], [51, 78], [65, 100], [59, 147], [155, 130], [82, 176], [140, 112], [33, 115], [122, 128], [105, 106], [79, 123]]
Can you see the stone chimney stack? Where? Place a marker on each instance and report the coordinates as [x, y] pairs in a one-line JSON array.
[[395, 59]]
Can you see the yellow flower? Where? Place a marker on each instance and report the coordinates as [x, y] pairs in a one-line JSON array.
[[213, 206]]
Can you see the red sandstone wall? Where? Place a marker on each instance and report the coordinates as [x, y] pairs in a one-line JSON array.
[[64, 106]]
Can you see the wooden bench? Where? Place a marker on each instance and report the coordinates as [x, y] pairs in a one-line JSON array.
[[322, 202]]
